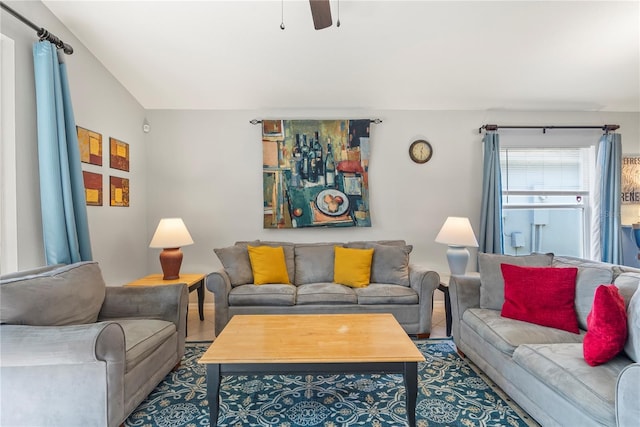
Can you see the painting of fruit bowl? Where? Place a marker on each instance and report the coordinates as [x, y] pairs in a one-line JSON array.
[[332, 202]]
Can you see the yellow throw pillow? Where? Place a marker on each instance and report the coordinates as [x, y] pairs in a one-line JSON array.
[[268, 264], [352, 267]]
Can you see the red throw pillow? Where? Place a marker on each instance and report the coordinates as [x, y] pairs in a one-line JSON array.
[[541, 295], [606, 326]]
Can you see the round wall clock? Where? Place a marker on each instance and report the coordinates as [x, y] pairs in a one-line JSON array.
[[420, 151]]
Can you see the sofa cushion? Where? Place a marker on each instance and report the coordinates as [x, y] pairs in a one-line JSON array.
[[606, 326], [507, 334], [590, 276], [143, 337], [380, 293], [352, 267], [269, 294], [491, 281], [289, 256], [390, 262], [68, 295], [541, 295], [236, 263], [268, 264], [314, 263], [627, 284], [632, 346], [356, 243], [563, 369], [325, 293]]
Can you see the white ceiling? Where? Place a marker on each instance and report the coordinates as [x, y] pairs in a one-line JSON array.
[[447, 55]]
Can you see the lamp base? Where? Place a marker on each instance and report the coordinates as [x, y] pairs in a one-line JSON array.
[[170, 261], [457, 256]]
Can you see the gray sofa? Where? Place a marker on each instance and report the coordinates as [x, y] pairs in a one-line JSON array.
[[542, 368], [77, 353], [397, 286]]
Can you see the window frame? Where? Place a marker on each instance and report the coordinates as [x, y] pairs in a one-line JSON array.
[[585, 207]]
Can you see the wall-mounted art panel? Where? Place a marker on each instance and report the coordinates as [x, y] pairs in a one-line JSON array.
[[119, 154], [119, 189], [92, 188], [90, 143]]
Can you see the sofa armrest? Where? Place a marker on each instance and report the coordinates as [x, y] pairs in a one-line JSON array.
[[424, 282], [464, 292], [219, 283], [628, 396], [52, 345], [48, 370]]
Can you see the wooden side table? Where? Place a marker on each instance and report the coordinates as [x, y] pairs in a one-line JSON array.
[[193, 282]]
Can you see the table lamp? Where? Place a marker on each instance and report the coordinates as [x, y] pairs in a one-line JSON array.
[[170, 235], [458, 234]]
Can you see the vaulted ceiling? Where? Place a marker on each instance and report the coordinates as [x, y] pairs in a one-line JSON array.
[[442, 55]]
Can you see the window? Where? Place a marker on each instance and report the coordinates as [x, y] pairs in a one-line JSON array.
[[546, 200], [8, 193]]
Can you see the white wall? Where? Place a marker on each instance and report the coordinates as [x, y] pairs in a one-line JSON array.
[[205, 166], [118, 235]]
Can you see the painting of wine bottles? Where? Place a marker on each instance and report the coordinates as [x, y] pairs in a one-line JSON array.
[[315, 173]]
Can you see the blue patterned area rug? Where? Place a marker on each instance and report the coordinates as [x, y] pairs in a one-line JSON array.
[[450, 393]]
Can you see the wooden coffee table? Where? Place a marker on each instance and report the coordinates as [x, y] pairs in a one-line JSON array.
[[312, 343]]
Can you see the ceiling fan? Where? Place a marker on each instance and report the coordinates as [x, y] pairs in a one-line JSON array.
[[321, 13]]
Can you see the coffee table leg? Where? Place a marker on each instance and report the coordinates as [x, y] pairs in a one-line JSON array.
[[213, 392], [411, 387]]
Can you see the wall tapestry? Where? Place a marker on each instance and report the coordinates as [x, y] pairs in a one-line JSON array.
[[630, 180], [315, 173]]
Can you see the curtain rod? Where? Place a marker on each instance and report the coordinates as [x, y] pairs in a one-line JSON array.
[[256, 121], [606, 128], [42, 33]]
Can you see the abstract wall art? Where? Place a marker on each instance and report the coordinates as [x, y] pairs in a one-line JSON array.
[[119, 189], [92, 188], [119, 154], [90, 144], [315, 173]]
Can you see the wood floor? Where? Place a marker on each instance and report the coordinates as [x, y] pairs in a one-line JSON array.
[[204, 330]]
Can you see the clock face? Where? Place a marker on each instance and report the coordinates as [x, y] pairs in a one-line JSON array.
[[420, 151]]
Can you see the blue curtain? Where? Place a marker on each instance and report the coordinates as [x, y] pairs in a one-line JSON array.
[[491, 239], [609, 169], [64, 213]]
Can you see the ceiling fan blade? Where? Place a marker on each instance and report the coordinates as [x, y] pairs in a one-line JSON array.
[[321, 13]]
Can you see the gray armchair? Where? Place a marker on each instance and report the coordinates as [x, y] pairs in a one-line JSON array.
[[75, 352]]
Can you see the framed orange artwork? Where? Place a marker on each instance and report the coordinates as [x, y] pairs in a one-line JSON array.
[[119, 189], [119, 154], [90, 143], [92, 188]]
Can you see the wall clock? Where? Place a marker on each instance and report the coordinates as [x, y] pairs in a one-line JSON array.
[[420, 151]]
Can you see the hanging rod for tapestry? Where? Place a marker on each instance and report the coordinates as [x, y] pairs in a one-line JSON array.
[[42, 33], [606, 128], [256, 121]]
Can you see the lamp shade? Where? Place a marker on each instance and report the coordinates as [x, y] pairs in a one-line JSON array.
[[457, 231], [171, 233]]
